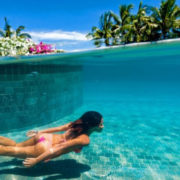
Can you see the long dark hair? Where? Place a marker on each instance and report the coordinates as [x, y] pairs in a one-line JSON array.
[[87, 121]]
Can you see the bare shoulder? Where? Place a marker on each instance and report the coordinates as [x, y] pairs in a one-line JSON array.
[[84, 139]]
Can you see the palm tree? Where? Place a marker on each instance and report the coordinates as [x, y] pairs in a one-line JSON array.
[[121, 21], [167, 18], [8, 32], [103, 34], [145, 25], [141, 28], [135, 29]]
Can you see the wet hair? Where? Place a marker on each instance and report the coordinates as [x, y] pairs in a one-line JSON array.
[[87, 121]]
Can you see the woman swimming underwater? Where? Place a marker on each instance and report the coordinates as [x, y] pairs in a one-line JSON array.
[[43, 145]]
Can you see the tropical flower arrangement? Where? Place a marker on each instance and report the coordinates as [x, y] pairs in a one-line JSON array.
[[15, 46], [14, 43], [41, 48]]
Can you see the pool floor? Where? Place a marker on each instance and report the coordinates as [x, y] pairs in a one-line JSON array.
[[140, 140]]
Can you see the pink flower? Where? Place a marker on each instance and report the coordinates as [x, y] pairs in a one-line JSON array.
[[41, 48], [31, 49]]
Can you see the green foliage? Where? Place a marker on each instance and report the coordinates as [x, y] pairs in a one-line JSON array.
[[167, 18], [103, 34], [8, 32], [148, 24]]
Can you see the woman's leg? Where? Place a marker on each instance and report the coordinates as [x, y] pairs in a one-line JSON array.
[[9, 142], [30, 142], [22, 152], [6, 141]]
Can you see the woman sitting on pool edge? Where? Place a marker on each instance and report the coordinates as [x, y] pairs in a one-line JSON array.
[[43, 145]]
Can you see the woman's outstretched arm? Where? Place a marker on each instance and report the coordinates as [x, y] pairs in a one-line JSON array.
[[58, 150], [56, 129], [49, 130]]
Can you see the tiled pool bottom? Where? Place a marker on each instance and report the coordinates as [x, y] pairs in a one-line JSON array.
[[140, 141]]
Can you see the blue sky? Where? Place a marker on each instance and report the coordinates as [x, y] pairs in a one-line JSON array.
[[61, 22]]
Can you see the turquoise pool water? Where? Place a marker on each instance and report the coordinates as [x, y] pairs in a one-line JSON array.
[[137, 89]]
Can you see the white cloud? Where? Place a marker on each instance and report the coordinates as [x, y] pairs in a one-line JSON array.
[[66, 40], [58, 35]]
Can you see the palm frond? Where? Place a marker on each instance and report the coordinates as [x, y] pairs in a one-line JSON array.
[[2, 34], [116, 18], [19, 29], [25, 35]]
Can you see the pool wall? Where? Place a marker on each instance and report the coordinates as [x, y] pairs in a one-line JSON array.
[[43, 88], [37, 92]]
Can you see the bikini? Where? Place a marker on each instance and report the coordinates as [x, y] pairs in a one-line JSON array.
[[42, 139]]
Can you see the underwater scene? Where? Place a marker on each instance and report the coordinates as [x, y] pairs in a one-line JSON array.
[[136, 89]]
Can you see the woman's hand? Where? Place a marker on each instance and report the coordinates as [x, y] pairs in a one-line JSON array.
[[31, 133], [30, 162]]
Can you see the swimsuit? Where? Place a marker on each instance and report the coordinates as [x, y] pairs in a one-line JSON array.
[[42, 139]]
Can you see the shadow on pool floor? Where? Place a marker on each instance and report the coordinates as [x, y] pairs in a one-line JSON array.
[[59, 169]]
